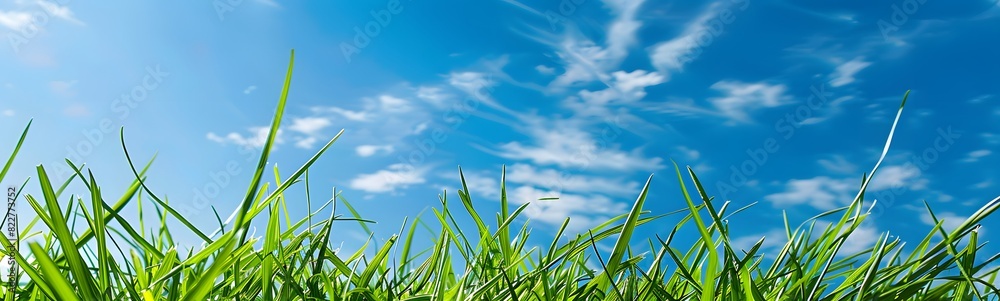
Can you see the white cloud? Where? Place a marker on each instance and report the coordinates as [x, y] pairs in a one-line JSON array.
[[554, 180], [627, 88], [774, 238], [889, 177], [306, 142], [433, 95], [8, 112], [347, 114], [976, 155], [820, 192], [396, 176], [951, 220], [563, 143], [249, 89], [76, 110], [739, 98], [472, 83], [990, 138], [388, 118], [256, 138], [864, 237], [671, 56], [845, 72], [370, 150], [621, 34], [983, 184], [584, 60], [270, 3], [63, 88], [14, 20], [394, 104], [827, 193], [545, 69], [981, 98], [584, 212], [483, 185], [691, 154], [838, 164], [309, 125], [59, 11], [421, 128]]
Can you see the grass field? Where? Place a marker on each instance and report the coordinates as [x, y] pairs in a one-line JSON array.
[[295, 259]]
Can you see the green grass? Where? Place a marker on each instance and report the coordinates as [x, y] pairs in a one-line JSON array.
[[295, 259]]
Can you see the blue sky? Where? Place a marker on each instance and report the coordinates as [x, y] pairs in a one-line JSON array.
[[778, 102]]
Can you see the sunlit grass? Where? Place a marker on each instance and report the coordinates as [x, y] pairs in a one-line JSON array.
[[296, 260]]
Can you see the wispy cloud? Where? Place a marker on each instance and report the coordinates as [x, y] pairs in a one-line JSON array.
[[545, 69], [76, 110], [908, 176], [975, 155], [434, 95], [555, 180], [583, 59], [862, 238], [393, 177], [63, 88], [981, 98], [821, 192], [59, 11], [951, 220], [838, 164], [626, 88], [255, 139], [270, 3], [737, 101], [585, 208], [983, 184], [845, 72], [565, 144], [739, 98], [670, 56], [691, 154], [584, 211], [310, 127], [14, 20], [370, 150]]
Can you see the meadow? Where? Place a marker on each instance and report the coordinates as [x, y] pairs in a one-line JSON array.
[[118, 259]]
